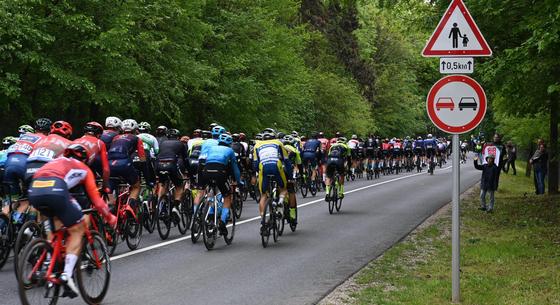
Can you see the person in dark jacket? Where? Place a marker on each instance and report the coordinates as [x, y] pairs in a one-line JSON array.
[[488, 181], [539, 161], [511, 152]]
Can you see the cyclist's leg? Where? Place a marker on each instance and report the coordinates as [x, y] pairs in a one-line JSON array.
[[341, 168]]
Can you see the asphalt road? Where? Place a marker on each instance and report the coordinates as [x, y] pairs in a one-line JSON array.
[[300, 269]]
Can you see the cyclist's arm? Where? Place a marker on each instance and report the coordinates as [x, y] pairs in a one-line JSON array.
[[140, 149], [104, 164], [255, 159], [235, 166], [98, 203], [155, 146]]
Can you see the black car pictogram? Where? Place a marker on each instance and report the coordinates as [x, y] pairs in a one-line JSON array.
[[468, 102]]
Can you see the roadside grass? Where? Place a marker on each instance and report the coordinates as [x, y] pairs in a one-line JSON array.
[[509, 257]]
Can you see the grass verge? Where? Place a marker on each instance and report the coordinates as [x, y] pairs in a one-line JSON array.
[[509, 257]]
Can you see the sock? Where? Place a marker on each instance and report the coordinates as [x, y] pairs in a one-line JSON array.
[[70, 263], [293, 213], [281, 199], [225, 214], [324, 177], [341, 189]]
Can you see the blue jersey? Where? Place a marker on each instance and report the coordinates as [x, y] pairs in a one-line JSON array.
[[3, 157], [107, 137], [419, 144], [430, 144], [313, 145], [205, 148], [223, 155]]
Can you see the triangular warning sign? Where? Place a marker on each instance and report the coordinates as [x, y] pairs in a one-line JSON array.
[[456, 35]]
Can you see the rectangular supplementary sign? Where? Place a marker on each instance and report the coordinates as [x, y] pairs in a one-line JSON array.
[[456, 65]]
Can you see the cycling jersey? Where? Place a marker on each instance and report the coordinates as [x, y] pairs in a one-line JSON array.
[[220, 163], [268, 159], [338, 153], [324, 144], [49, 148], [386, 147], [240, 154], [151, 144], [107, 137], [192, 141], [312, 152], [16, 163], [430, 144], [353, 144], [97, 153], [124, 145], [51, 184], [205, 147], [25, 143], [171, 161]]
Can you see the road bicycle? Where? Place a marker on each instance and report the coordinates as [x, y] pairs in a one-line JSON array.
[[211, 212], [42, 264], [129, 223], [169, 215], [237, 200], [272, 216], [334, 199]]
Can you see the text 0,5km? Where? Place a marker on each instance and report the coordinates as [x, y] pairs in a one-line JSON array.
[[456, 65]]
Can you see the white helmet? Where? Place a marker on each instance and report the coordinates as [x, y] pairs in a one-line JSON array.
[[429, 136], [113, 122], [129, 125]]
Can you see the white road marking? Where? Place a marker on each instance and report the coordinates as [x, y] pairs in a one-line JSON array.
[[169, 242]]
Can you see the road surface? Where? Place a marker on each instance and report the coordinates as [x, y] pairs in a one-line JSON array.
[[300, 269]]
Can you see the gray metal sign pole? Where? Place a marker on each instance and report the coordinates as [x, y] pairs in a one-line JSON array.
[[455, 223]]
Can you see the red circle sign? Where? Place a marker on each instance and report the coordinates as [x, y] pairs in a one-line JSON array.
[[456, 104]]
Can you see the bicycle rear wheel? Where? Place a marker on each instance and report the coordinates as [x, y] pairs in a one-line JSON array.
[[231, 231], [33, 286], [209, 230], [133, 230], [338, 202], [29, 231], [333, 197], [237, 205], [281, 218], [265, 221], [293, 222], [164, 217], [5, 240], [185, 213], [93, 272], [304, 187], [196, 226]]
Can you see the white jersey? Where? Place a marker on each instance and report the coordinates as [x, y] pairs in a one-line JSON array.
[[353, 144]]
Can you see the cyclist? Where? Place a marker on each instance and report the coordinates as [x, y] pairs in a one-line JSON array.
[[269, 156], [96, 150], [151, 148], [113, 126], [386, 152], [464, 147], [353, 145], [408, 152], [240, 152], [217, 130], [220, 164], [339, 153], [295, 160], [370, 147], [171, 163], [18, 153], [312, 155], [324, 144], [441, 150], [121, 154], [49, 148], [49, 194], [397, 152], [297, 140], [6, 143], [418, 148], [430, 148], [161, 133], [196, 137]]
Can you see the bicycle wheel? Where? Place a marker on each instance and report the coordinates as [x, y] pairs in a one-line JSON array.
[[93, 271], [231, 231], [265, 221], [147, 218], [196, 227], [29, 231], [185, 208], [304, 188], [133, 230], [209, 230], [332, 198], [33, 286], [274, 222], [293, 222], [237, 205], [313, 188], [164, 217], [281, 218], [5, 240], [338, 202]]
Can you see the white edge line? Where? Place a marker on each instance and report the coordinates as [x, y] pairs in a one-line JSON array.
[[169, 242]]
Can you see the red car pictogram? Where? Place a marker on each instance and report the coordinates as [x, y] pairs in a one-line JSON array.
[[445, 102]]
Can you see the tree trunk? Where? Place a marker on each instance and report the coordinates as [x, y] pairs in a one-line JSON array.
[[553, 169]]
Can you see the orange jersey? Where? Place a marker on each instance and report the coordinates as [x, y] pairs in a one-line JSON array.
[[96, 150]]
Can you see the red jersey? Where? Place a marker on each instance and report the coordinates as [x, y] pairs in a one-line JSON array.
[[324, 144], [74, 173], [331, 143], [26, 143], [49, 148], [97, 151], [397, 145], [386, 146]]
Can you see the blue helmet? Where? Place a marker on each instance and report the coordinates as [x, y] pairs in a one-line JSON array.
[[217, 131], [225, 139]]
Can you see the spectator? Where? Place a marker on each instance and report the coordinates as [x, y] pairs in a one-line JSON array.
[[488, 181], [511, 152], [539, 161]]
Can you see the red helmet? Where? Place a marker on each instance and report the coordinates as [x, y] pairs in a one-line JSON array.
[[93, 128], [62, 128], [76, 151]]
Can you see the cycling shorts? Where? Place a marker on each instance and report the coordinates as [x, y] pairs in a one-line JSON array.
[[397, 152], [124, 168], [50, 196], [272, 169], [15, 169], [335, 164], [310, 158], [370, 153], [169, 169], [215, 174], [32, 168]]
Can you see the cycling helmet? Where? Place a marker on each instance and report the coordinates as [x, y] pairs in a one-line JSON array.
[[271, 130], [196, 133], [280, 135], [43, 125], [113, 122], [129, 125], [225, 139], [419, 138], [218, 130], [341, 140], [429, 136], [235, 137], [206, 134], [288, 139], [267, 135], [259, 136], [242, 136], [161, 130], [173, 133], [76, 151], [62, 128], [9, 141], [295, 134], [338, 134], [93, 128], [144, 127], [303, 138], [354, 137], [321, 134], [25, 129], [213, 125]]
